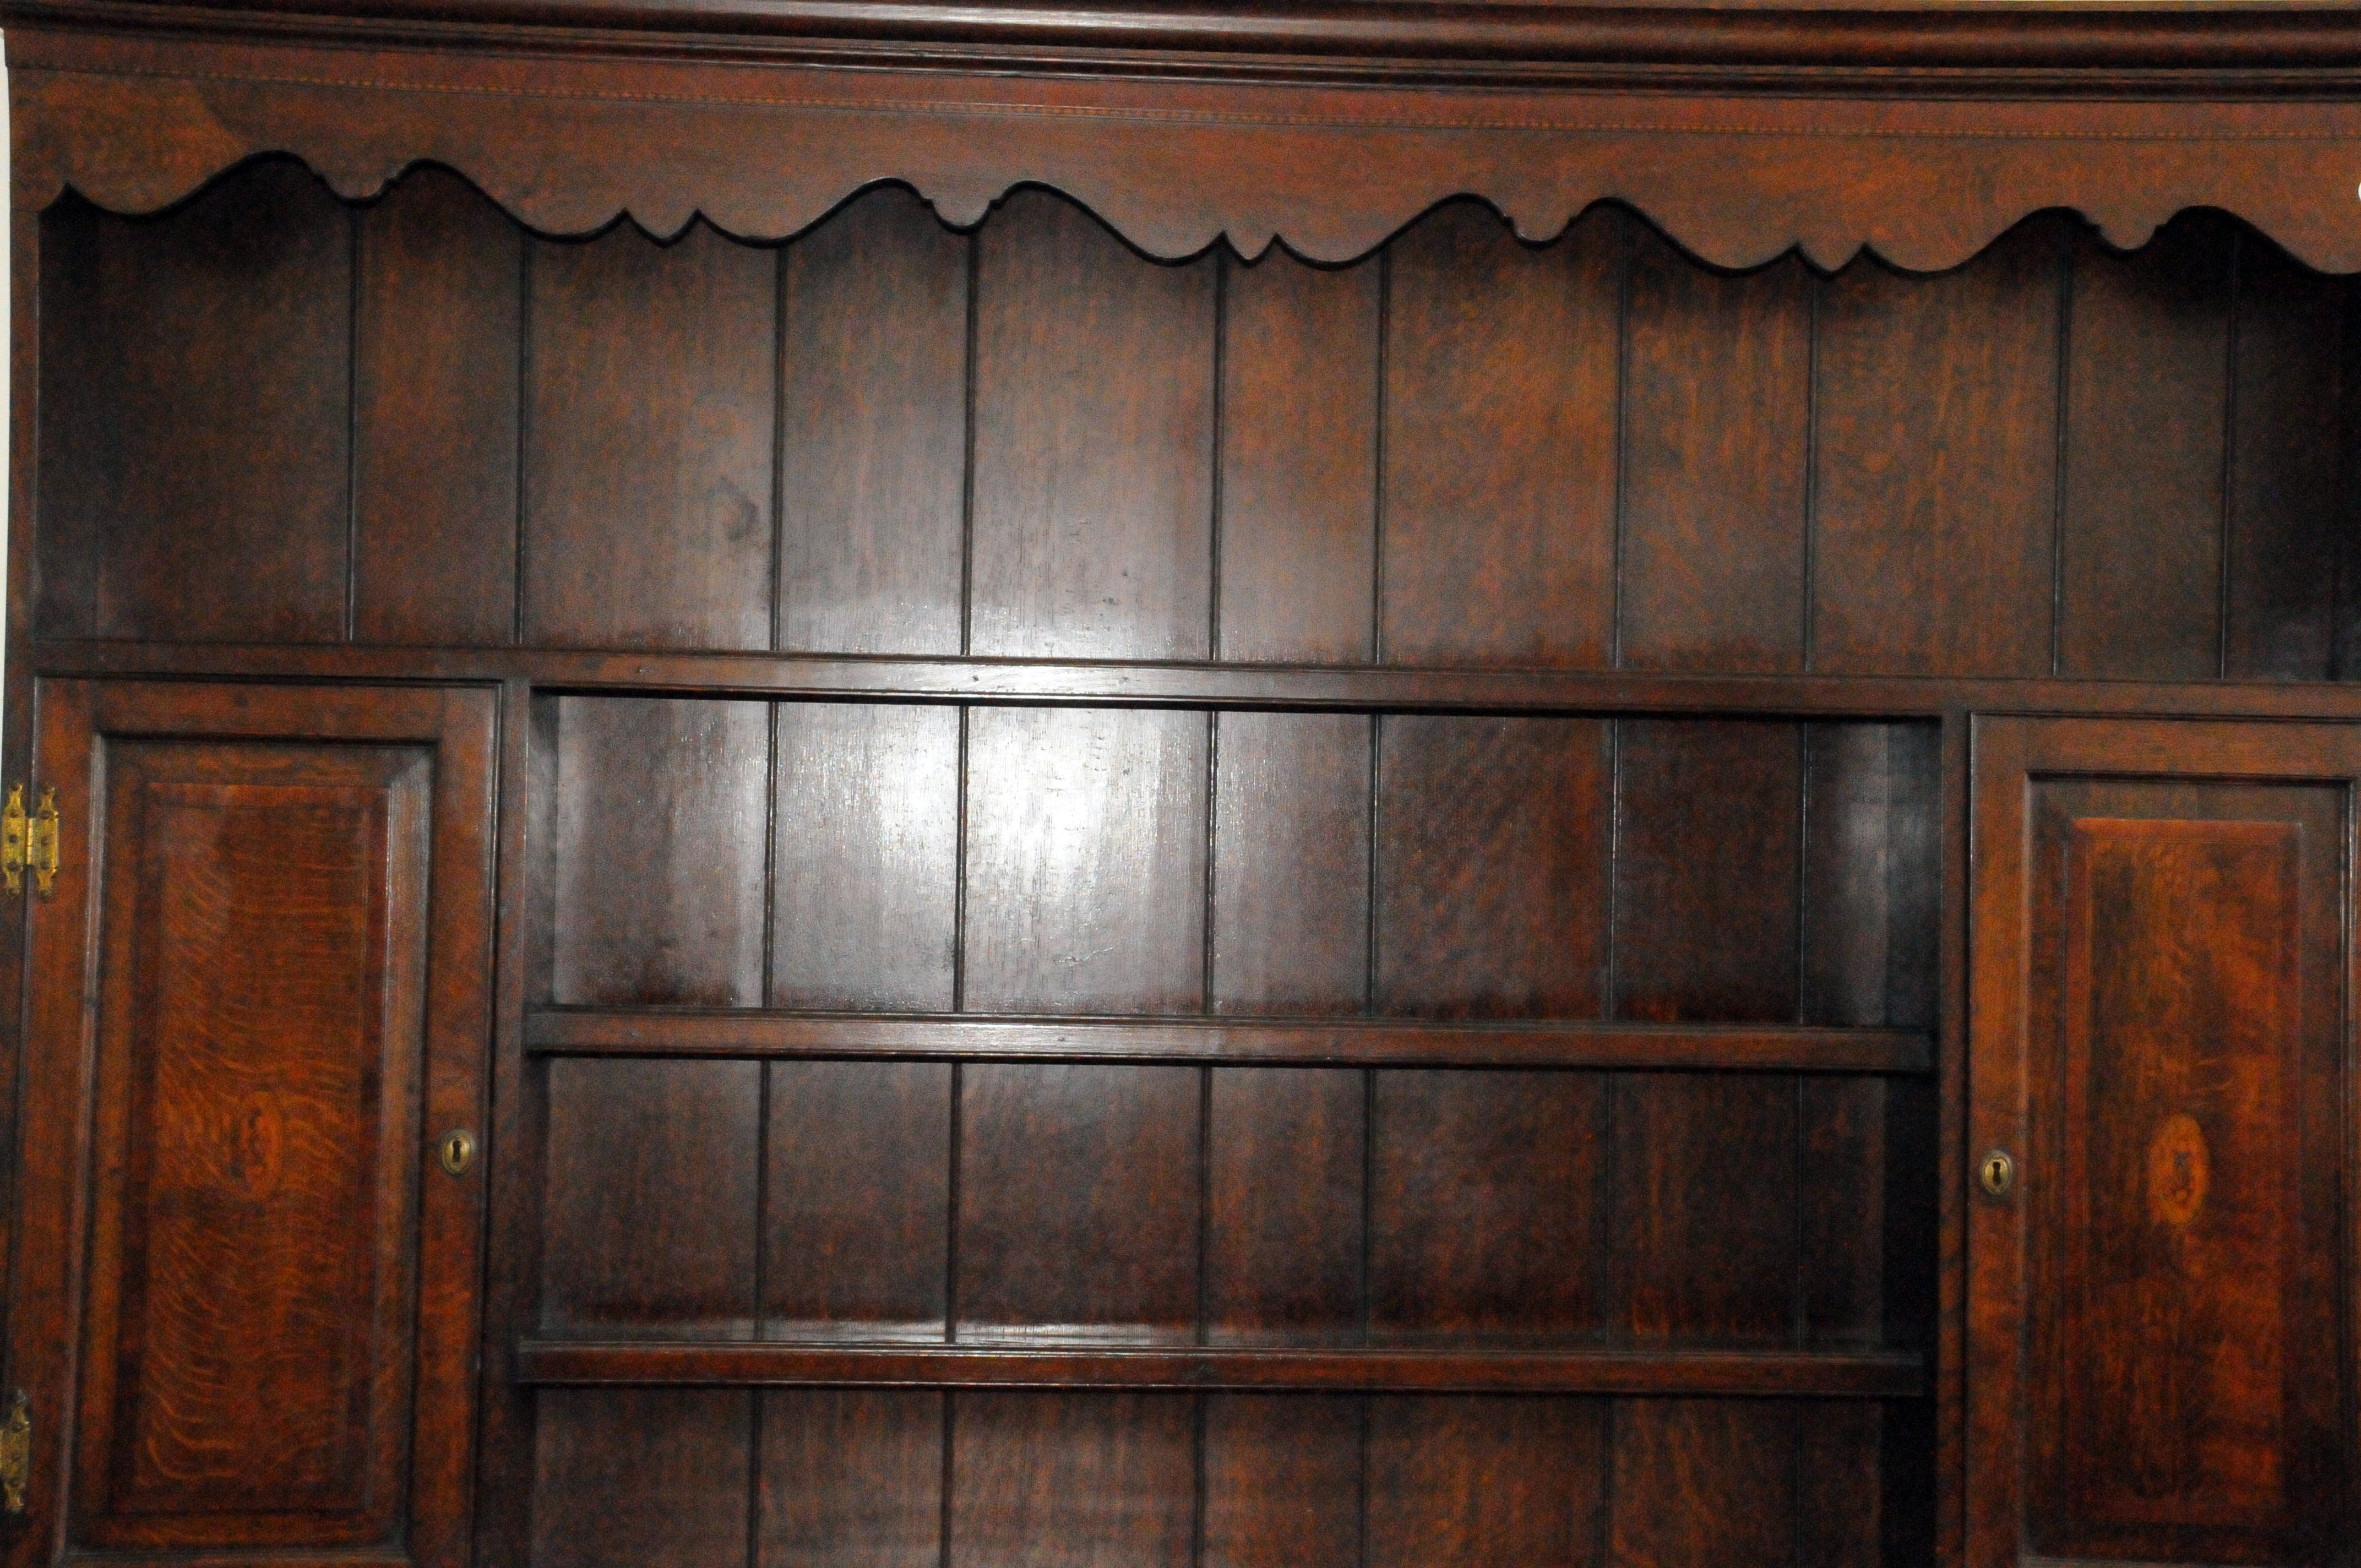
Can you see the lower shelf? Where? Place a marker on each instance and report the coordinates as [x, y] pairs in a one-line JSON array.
[[1865, 1374], [1338, 1042]]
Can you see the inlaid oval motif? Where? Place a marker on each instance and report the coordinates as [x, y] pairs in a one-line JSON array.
[[2180, 1170], [256, 1151]]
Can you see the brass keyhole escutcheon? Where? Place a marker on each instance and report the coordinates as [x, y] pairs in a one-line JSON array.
[[1997, 1172], [456, 1150]]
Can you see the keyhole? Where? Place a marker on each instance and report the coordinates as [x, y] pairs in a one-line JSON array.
[[458, 1151], [1998, 1173]]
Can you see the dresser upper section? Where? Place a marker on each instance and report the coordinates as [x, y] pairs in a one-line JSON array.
[[1744, 132]]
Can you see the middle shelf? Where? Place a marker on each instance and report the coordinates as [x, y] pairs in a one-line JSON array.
[[1580, 1043], [1823, 1373]]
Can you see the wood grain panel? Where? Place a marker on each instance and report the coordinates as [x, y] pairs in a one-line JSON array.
[[435, 477], [1702, 1483], [1291, 863], [872, 417], [2169, 1420], [1283, 1194], [1067, 1481], [1499, 544], [2146, 395], [649, 408], [246, 1369], [649, 1201], [2288, 446], [1840, 1484], [858, 1208], [1870, 857], [866, 866], [626, 1477], [1093, 519], [201, 414], [1716, 413], [1708, 861], [1281, 1481], [1299, 461], [1486, 1204], [1845, 1172], [1491, 876], [1078, 1202], [662, 813], [1701, 1263], [851, 1478], [1470, 1483], [1085, 860], [1935, 466]]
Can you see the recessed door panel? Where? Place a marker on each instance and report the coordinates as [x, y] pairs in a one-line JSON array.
[[2155, 1366], [263, 955], [2175, 1230]]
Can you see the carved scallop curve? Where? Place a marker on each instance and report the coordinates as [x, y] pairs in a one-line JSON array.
[[763, 151]]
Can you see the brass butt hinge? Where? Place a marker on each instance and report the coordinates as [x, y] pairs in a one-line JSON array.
[[29, 841], [15, 1452]]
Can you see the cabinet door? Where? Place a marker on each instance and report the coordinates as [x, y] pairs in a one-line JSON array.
[[2160, 1141], [248, 1302]]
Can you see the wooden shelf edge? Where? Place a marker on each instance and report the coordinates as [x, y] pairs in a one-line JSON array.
[[1166, 684], [1863, 1374], [654, 1031]]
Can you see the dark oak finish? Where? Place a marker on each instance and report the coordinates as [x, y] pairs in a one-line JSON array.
[[1714, 466], [2147, 421], [849, 1479], [1285, 1156], [858, 1202], [1826, 1373], [1069, 1482], [1491, 866], [648, 1213], [274, 1298], [1077, 1203], [1093, 466], [1499, 540], [1084, 862], [1236, 755], [648, 443], [1485, 1192], [1282, 1482], [2285, 471], [1468, 1481], [1703, 1265], [1291, 863], [1787, 129], [864, 869], [2168, 959], [1730, 796], [658, 872], [1299, 466], [438, 304], [632, 1476], [206, 421], [1931, 392], [735, 1032], [1703, 1481], [873, 434], [1283, 687]]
